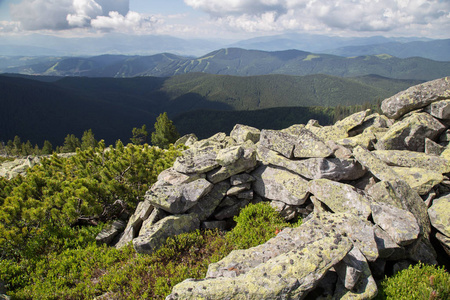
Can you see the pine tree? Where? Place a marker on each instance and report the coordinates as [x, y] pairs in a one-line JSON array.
[[165, 132], [71, 143], [140, 135], [47, 148], [88, 140]]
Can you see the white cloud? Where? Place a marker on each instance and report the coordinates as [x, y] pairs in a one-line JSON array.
[[325, 15], [70, 14]]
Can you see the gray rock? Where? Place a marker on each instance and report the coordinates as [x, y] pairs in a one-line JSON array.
[[208, 203], [236, 189], [154, 237], [399, 224], [107, 235], [178, 199], [281, 185], [315, 168], [231, 211], [241, 178], [197, 160], [372, 121], [278, 141], [439, 214], [440, 109], [246, 163], [445, 136], [433, 148], [143, 210], [410, 133], [229, 155], [386, 246], [187, 140], [445, 242], [243, 133], [156, 215], [288, 212], [420, 180], [422, 251], [340, 197], [416, 97], [377, 167], [248, 195], [172, 177]]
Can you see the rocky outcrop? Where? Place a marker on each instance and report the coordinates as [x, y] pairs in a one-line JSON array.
[[362, 207]]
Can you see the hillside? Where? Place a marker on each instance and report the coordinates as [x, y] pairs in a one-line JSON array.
[[239, 62], [111, 107]]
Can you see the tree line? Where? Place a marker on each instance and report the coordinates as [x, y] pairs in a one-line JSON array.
[[165, 133]]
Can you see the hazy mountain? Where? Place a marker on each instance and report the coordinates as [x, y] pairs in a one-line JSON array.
[[50, 109], [435, 50], [240, 62]]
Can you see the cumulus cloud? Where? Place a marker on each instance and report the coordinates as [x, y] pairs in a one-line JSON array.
[[67, 14], [345, 15]]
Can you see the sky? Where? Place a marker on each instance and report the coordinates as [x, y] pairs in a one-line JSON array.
[[229, 19]]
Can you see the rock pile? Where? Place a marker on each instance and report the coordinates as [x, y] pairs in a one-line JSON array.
[[367, 186]]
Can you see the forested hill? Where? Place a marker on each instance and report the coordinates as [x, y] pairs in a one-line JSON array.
[[236, 61], [38, 111]]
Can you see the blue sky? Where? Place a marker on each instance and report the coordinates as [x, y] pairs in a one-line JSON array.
[[227, 18]]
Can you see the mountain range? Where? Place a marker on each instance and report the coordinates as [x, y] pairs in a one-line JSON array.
[[232, 61], [48, 108]]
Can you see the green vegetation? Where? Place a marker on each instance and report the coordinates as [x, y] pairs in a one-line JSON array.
[[165, 132], [416, 283], [140, 135]]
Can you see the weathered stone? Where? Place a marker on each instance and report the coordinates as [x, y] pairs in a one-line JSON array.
[[241, 178], [446, 153], [416, 97], [197, 160], [405, 158], [439, 214], [246, 163], [187, 140], [356, 280], [352, 121], [420, 180], [234, 190], [440, 109], [399, 194], [372, 121], [284, 276], [433, 148], [231, 211], [445, 242], [339, 151], [248, 195], [221, 225], [243, 133], [228, 201], [445, 136], [340, 197], [154, 237], [288, 212], [399, 224], [156, 215], [365, 182], [386, 246], [172, 177], [143, 210], [230, 155], [410, 133], [377, 167], [422, 251], [278, 141], [315, 168], [208, 203], [281, 185], [178, 199], [309, 145], [107, 235]]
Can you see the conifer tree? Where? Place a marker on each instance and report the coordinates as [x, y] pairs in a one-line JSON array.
[[165, 132], [140, 135], [88, 140], [71, 143], [47, 148]]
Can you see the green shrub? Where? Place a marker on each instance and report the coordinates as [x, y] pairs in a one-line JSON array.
[[417, 282], [256, 224]]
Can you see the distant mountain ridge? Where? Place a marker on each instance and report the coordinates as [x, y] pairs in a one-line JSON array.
[[239, 62], [52, 108]]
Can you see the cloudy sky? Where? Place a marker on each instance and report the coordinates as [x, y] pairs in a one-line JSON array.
[[227, 18]]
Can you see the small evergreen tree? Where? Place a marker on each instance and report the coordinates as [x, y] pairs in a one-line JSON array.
[[71, 143], [47, 148], [165, 132], [140, 135], [88, 140]]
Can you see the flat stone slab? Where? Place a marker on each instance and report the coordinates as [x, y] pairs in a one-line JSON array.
[[281, 185], [412, 159], [439, 214]]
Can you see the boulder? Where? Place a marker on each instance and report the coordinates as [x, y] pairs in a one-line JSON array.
[[340, 197], [410, 133], [420, 180], [439, 214], [386, 246], [241, 178], [197, 160], [405, 158], [107, 235], [187, 140], [153, 238], [433, 148], [230, 211], [440, 109], [372, 121], [315, 168], [399, 224], [288, 212], [142, 212], [281, 185], [172, 177], [416, 97], [243, 133], [177, 199], [229, 155], [208, 203], [377, 167]]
